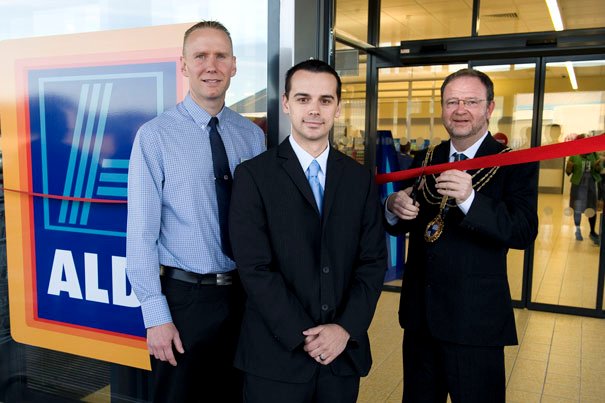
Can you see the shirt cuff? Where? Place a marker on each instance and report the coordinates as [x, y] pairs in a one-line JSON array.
[[156, 312], [465, 206], [391, 218]]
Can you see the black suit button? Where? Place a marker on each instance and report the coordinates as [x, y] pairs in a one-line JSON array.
[[324, 307], [325, 269]]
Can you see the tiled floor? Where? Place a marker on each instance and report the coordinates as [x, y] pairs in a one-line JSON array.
[[565, 271], [560, 358]]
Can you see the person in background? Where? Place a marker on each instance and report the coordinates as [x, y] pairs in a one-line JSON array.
[[585, 175], [601, 155], [178, 251], [455, 300], [308, 239], [403, 156], [501, 138]]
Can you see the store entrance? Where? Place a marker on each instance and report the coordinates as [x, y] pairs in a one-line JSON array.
[[536, 104]]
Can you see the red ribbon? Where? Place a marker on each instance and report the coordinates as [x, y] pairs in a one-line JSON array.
[[581, 146], [70, 198]]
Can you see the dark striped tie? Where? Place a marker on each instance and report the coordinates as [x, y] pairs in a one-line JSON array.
[[459, 157], [222, 183]]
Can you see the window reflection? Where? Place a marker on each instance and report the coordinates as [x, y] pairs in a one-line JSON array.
[[247, 93], [29, 373], [567, 256]]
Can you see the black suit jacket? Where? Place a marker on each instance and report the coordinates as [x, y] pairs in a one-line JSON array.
[[300, 270], [456, 288]]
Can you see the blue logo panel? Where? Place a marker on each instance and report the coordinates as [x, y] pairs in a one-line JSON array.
[[83, 121]]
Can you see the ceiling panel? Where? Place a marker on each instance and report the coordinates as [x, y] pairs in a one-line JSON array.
[[404, 20]]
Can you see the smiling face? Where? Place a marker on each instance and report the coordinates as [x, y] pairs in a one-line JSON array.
[[466, 124], [312, 104], [209, 64]]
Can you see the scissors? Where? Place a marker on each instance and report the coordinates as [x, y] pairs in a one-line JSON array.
[[415, 188]]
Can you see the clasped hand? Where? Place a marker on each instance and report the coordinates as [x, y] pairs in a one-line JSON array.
[[455, 184], [324, 343]]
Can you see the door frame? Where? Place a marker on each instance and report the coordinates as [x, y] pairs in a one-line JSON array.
[[541, 48]]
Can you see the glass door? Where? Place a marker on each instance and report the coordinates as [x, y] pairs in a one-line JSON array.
[[567, 266]]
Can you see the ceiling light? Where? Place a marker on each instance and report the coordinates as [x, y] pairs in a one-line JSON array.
[[524, 66], [555, 14], [494, 68], [572, 75], [557, 22]]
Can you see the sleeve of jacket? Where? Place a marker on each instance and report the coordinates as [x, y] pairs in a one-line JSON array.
[[402, 226], [511, 220], [368, 272], [264, 285]]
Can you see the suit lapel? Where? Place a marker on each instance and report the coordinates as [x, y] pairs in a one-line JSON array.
[[292, 166], [333, 176], [489, 146], [442, 153]]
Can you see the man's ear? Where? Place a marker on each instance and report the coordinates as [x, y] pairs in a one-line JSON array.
[[284, 104], [184, 67], [234, 69]]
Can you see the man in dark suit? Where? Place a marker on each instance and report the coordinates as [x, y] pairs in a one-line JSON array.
[[312, 261], [455, 300]]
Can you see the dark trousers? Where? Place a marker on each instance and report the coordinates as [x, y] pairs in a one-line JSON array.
[[432, 369], [208, 318], [577, 218], [324, 387]]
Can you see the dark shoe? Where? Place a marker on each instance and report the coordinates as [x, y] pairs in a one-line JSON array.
[[595, 238], [579, 235]]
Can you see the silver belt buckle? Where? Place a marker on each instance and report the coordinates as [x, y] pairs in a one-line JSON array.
[[223, 279]]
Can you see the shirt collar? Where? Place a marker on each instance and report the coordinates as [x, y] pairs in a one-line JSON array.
[[471, 151], [199, 114], [305, 158]]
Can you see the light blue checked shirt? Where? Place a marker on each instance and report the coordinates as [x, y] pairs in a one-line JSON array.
[[172, 208]]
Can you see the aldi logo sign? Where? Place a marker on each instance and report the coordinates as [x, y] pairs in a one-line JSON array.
[[83, 121], [80, 123]]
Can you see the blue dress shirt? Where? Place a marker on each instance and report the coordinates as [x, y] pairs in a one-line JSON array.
[[305, 160], [172, 208]]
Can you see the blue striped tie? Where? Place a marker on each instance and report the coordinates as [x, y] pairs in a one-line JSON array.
[[318, 191]]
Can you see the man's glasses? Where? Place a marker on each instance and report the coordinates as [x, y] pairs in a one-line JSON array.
[[470, 103]]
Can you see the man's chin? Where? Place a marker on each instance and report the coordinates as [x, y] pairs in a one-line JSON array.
[[461, 135]]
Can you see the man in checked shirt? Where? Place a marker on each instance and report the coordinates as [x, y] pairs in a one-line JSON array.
[[178, 258]]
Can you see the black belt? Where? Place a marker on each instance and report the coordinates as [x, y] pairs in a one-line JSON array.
[[195, 278]]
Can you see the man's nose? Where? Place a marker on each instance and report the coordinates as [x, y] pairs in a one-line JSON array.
[[314, 107], [210, 63]]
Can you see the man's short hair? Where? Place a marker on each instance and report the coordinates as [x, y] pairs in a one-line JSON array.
[[314, 66], [207, 24], [484, 78]]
